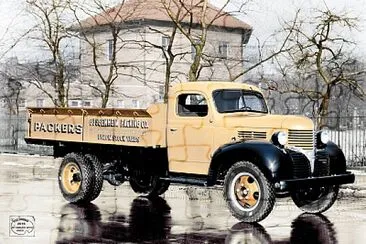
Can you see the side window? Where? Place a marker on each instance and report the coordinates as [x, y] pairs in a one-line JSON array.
[[192, 105]]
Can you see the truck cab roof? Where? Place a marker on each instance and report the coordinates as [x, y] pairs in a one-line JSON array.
[[209, 86]]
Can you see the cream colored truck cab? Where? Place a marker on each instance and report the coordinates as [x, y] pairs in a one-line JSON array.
[[209, 133]]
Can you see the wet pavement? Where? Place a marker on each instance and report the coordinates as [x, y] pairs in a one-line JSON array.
[[32, 210]]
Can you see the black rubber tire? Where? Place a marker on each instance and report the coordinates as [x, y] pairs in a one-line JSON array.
[[140, 184], [265, 201], [315, 202], [98, 175], [164, 186], [148, 185], [86, 182]]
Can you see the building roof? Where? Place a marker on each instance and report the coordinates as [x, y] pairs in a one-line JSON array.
[[141, 10]]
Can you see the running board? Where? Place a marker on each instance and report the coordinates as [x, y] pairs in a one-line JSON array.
[[185, 180]]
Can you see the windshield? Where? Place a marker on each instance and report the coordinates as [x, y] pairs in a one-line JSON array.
[[228, 101]]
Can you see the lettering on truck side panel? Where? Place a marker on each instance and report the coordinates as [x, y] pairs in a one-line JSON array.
[[58, 128], [122, 123]]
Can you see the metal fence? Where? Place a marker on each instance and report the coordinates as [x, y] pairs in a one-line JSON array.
[[347, 132]]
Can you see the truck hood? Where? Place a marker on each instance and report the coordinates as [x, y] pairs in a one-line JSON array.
[[267, 121]]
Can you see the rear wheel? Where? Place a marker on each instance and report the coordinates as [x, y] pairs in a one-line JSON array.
[[75, 178], [98, 175], [315, 200], [148, 184], [248, 193]]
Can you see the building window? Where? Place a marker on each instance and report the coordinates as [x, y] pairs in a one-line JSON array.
[[74, 103], [165, 42], [22, 103], [40, 102], [252, 54], [120, 104], [110, 49], [135, 104], [224, 50], [87, 104]]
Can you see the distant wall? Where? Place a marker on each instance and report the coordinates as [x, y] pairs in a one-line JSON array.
[[12, 132]]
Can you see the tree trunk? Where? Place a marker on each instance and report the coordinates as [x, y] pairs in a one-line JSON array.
[[323, 111], [105, 96], [192, 76]]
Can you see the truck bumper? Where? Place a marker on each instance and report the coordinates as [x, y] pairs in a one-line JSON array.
[[339, 179]]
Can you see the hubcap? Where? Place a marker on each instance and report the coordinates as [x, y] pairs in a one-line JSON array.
[[71, 177], [246, 191]]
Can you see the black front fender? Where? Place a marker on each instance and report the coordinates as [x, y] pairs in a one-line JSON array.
[[337, 159], [273, 161]]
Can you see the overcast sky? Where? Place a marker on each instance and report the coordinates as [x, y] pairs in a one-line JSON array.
[[264, 16]]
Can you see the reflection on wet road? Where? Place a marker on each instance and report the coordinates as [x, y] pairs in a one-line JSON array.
[[28, 188], [150, 220]]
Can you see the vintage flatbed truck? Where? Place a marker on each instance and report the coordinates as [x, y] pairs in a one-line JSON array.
[[208, 134]]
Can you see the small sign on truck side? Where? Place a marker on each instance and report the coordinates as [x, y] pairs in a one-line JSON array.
[[209, 133]]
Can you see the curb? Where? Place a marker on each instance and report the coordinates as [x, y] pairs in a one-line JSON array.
[[355, 190]]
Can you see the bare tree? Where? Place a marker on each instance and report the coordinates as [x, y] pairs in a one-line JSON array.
[[51, 18], [184, 19], [113, 21], [193, 19], [11, 87], [169, 54], [318, 54], [201, 17]]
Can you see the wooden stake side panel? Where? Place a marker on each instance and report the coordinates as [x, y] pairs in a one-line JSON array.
[[103, 126]]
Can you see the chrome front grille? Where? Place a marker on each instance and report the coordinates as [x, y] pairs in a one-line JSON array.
[[252, 135], [301, 138], [300, 165]]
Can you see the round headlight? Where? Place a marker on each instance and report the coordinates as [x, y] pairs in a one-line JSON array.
[[282, 138], [279, 138], [324, 136]]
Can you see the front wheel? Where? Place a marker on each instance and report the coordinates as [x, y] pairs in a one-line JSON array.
[[248, 193], [315, 200]]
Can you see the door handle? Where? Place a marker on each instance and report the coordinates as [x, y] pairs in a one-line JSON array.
[[173, 129]]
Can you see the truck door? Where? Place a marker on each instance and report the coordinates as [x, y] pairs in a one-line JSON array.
[[189, 134]]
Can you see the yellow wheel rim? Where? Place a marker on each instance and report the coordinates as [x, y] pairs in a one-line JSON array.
[[71, 177], [247, 191]]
